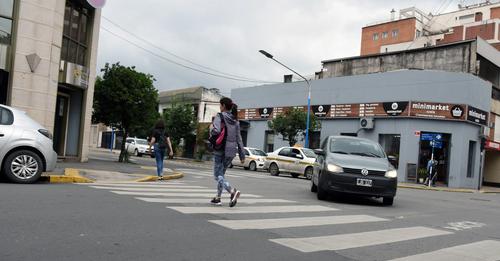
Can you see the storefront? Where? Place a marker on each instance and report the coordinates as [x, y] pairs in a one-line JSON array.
[[414, 115]]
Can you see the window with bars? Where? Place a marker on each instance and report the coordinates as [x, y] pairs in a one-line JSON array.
[[75, 33]]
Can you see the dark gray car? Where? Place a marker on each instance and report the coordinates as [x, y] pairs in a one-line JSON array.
[[355, 166]]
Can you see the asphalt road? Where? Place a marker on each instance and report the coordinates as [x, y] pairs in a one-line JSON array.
[[277, 218]]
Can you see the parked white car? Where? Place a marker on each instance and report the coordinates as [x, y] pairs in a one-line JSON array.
[[296, 161], [138, 147], [26, 148], [254, 159]]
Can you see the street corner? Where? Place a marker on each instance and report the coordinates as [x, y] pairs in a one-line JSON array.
[[70, 176], [172, 175], [424, 187]]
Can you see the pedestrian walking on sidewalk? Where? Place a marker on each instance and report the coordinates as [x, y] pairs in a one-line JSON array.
[[226, 139], [159, 141]]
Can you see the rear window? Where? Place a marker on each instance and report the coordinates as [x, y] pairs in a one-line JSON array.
[[356, 147], [257, 152], [6, 117]]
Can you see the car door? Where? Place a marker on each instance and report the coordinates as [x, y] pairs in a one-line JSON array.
[[6, 129], [284, 159], [296, 157]]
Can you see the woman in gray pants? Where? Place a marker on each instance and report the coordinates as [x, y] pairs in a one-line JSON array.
[[233, 145]]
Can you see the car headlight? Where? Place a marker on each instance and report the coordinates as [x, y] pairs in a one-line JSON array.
[[334, 168], [391, 173], [260, 159], [45, 133]]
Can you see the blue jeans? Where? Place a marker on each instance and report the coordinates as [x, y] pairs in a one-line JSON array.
[[159, 156], [220, 166]]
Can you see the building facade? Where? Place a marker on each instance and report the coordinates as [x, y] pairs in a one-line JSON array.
[[413, 28], [48, 53], [412, 111]]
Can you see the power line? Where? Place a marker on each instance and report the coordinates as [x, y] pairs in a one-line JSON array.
[[216, 74]]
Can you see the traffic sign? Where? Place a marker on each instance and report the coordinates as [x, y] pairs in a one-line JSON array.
[[431, 136]]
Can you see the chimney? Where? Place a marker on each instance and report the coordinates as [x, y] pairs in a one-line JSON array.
[[393, 14], [288, 78]]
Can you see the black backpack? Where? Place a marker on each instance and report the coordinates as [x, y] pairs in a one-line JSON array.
[[162, 140]]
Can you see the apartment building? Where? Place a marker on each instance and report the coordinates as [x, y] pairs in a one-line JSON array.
[[413, 28], [48, 53]]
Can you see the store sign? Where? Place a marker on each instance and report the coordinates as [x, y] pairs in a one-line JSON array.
[[477, 116], [345, 111], [492, 145], [321, 111], [395, 108], [437, 110], [265, 112]]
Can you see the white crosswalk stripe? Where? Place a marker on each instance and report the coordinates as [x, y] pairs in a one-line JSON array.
[[295, 222], [487, 250], [177, 194], [229, 174], [154, 185], [251, 210], [364, 239], [204, 200], [156, 189]]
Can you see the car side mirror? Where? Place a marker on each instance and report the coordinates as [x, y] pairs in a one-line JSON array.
[[320, 152]]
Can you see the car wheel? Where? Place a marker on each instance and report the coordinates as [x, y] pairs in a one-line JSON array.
[[274, 170], [388, 201], [23, 166], [314, 188], [294, 175], [309, 173], [136, 153], [253, 166]]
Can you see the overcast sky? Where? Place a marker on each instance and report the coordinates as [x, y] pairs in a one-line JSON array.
[[226, 35]]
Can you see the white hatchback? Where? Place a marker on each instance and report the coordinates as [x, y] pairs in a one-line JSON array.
[[26, 148], [254, 159]]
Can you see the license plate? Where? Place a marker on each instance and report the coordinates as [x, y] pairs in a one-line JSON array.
[[364, 182]]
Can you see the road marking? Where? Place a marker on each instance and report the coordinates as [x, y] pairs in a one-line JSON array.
[[346, 241], [250, 210], [156, 185], [204, 200], [459, 226], [180, 194], [230, 174], [487, 250], [295, 222], [156, 189]]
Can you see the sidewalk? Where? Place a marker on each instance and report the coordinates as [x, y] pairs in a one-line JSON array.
[[111, 171], [484, 189]]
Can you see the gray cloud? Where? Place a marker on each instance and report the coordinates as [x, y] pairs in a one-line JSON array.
[[226, 35]]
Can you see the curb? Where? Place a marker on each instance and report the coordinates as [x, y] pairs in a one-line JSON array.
[[70, 176], [436, 189], [175, 175]]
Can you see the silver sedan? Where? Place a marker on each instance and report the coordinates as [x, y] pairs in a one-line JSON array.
[[26, 148]]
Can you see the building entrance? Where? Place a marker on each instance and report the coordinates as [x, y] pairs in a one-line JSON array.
[[436, 146], [61, 123]]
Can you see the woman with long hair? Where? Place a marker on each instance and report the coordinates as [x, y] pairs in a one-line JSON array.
[[160, 140], [228, 119]]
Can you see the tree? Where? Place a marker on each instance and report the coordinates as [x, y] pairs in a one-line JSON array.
[[292, 123], [127, 100], [180, 121]]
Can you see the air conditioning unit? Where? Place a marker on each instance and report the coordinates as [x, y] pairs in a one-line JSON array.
[[367, 123]]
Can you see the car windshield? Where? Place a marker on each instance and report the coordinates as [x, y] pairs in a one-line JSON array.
[[257, 152], [356, 147], [142, 142], [309, 153]]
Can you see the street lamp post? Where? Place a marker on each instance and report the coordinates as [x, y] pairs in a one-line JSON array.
[[268, 55]]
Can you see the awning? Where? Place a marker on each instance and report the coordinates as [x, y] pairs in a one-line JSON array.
[[491, 145]]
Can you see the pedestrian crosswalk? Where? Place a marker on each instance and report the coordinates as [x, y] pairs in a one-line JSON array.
[[290, 221]]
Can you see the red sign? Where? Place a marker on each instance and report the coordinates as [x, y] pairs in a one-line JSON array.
[[417, 133], [492, 145]]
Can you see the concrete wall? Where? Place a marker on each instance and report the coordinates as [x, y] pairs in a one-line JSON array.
[[39, 30], [456, 58], [429, 86], [88, 96]]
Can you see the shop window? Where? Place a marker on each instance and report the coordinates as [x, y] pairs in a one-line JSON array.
[[75, 33], [391, 144]]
